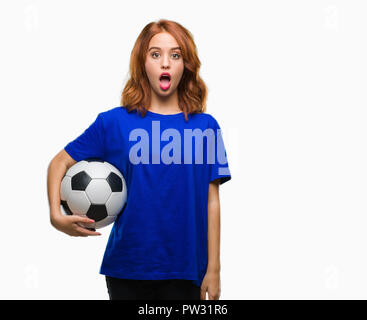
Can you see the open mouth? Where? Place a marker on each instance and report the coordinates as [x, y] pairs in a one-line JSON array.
[[165, 81], [165, 77]]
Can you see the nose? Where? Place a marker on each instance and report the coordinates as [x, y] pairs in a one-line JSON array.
[[165, 61]]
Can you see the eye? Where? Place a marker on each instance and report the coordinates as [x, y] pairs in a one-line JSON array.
[[178, 55]]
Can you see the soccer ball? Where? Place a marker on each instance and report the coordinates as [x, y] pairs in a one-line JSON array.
[[95, 189]]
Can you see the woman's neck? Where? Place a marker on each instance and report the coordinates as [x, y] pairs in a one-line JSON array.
[[164, 105]]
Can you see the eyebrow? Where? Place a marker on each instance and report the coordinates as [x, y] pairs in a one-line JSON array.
[[160, 48]]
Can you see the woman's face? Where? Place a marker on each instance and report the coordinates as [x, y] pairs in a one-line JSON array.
[[164, 56]]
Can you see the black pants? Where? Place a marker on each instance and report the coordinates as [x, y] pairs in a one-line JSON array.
[[171, 289]]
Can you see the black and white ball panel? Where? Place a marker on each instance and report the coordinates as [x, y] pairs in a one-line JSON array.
[[94, 189]]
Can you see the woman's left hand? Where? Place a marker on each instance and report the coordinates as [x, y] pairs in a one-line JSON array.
[[210, 284]]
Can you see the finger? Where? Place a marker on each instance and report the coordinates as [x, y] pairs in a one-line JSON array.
[[86, 232], [77, 218], [75, 233], [202, 294]]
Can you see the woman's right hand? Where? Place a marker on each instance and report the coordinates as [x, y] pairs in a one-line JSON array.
[[69, 225]]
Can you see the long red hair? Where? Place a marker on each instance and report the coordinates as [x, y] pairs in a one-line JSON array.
[[192, 91]]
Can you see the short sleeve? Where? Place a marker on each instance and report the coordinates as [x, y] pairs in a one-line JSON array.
[[90, 144], [218, 167]]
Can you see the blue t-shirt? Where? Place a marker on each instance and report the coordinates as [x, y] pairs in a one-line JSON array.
[[161, 233]]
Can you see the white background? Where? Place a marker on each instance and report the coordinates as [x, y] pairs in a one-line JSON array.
[[287, 84]]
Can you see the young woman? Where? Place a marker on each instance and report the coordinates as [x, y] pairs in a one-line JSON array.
[[165, 242]]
